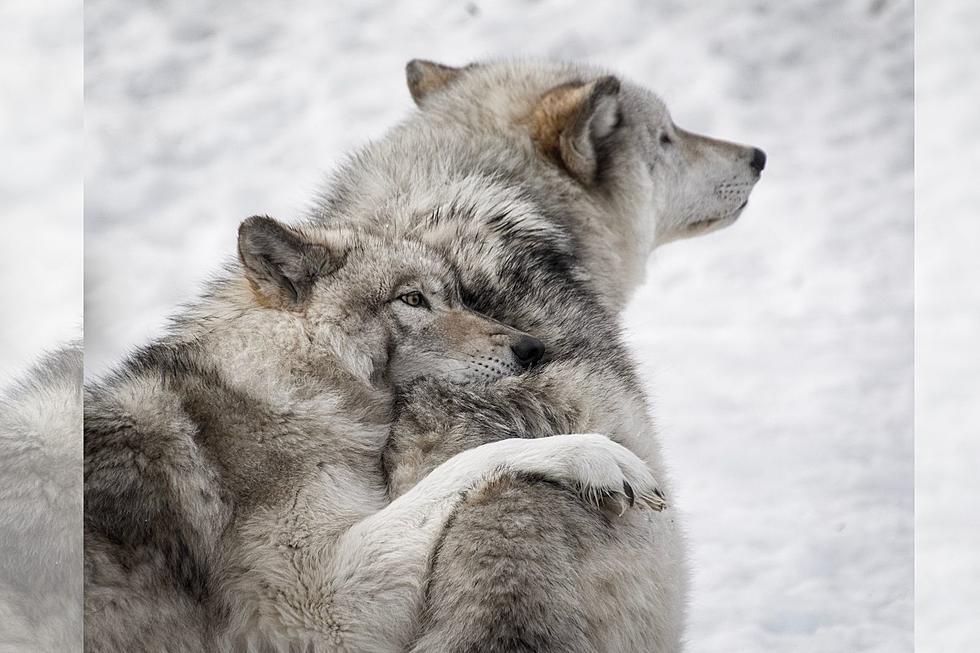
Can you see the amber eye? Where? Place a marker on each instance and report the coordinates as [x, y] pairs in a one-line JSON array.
[[414, 299]]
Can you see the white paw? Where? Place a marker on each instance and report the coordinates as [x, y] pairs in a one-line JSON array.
[[605, 473]]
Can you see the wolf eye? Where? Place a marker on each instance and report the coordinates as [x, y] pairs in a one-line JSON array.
[[415, 299], [665, 139]]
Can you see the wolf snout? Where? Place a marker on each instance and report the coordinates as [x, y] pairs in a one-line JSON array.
[[528, 350], [758, 161]]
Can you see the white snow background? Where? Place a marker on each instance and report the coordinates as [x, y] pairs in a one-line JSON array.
[[947, 297], [40, 179], [778, 352]]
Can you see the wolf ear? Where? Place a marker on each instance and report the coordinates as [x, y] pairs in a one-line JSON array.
[[424, 77], [280, 265], [570, 122]]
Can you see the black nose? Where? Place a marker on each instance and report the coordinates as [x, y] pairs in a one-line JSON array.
[[758, 159], [528, 350]]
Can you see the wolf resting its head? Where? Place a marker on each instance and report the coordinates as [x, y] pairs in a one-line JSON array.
[[391, 307]]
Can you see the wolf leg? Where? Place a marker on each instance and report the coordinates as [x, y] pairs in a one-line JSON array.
[[375, 573], [525, 567], [501, 581]]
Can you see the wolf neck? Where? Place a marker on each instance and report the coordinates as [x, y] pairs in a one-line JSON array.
[[620, 252], [615, 256]]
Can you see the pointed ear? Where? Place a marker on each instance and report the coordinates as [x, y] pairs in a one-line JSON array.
[[570, 123], [280, 264], [425, 77]]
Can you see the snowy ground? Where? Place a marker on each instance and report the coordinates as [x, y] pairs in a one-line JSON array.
[[779, 351]]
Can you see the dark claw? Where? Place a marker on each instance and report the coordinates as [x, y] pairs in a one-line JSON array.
[[628, 491]]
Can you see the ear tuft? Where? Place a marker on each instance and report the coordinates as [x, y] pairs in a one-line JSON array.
[[280, 264], [605, 103], [425, 77], [571, 121]]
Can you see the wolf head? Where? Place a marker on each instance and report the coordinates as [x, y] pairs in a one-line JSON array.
[[391, 309], [614, 139]]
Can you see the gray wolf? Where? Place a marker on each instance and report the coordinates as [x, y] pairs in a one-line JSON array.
[[234, 496], [547, 185], [41, 495]]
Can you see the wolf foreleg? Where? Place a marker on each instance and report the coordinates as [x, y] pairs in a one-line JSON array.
[[375, 573]]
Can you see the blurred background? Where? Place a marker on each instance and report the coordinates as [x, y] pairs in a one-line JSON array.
[[40, 179], [947, 347], [779, 352]]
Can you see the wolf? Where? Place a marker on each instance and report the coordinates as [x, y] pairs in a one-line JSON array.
[[41, 495], [547, 185], [234, 496]]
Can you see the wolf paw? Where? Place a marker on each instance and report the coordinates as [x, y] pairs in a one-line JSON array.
[[604, 473]]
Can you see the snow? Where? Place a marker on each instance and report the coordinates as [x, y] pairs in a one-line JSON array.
[[779, 351], [40, 179], [947, 325]]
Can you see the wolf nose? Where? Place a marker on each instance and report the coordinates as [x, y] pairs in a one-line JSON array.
[[758, 159], [528, 350]]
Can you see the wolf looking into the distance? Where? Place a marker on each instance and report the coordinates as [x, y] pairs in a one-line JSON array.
[[547, 185], [233, 490]]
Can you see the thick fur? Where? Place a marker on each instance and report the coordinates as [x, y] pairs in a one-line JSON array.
[[547, 185], [234, 495], [41, 495]]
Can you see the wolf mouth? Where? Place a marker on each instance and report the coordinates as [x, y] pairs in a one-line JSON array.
[[707, 222], [700, 224]]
